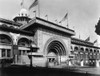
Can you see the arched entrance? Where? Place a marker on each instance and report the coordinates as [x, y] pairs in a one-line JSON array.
[[56, 52], [23, 46], [5, 46], [23, 50], [57, 48], [5, 49]]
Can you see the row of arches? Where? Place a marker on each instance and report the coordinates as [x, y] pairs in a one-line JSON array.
[[6, 45], [82, 49], [87, 55], [5, 39]]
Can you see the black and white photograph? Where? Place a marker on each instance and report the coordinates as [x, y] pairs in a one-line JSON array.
[[49, 37]]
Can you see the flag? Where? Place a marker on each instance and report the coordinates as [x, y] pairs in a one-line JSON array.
[[95, 41], [79, 36], [88, 39], [34, 11], [64, 18], [56, 20], [46, 15], [33, 4], [22, 3]]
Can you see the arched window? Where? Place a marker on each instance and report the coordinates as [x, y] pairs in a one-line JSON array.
[[86, 50], [91, 50], [81, 49], [76, 49], [94, 51], [24, 42], [23, 45], [97, 51], [4, 39]]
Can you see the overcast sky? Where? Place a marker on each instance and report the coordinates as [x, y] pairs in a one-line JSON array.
[[83, 15]]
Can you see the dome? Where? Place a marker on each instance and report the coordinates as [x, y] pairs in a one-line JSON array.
[[23, 12]]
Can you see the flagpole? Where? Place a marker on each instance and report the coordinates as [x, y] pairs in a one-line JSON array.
[[60, 22], [22, 4], [79, 35], [34, 12], [56, 21], [46, 17], [67, 20], [38, 9]]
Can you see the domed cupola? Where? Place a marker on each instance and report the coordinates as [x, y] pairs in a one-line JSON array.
[[23, 17], [23, 12]]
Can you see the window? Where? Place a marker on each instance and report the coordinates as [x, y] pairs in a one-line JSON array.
[[24, 52], [19, 52], [3, 52], [8, 52]]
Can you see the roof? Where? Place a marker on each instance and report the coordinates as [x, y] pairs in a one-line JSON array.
[[10, 22], [15, 30], [83, 43], [38, 22]]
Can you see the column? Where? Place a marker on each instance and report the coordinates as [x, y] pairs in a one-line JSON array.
[[70, 64], [6, 52], [82, 63], [97, 63], [15, 46]]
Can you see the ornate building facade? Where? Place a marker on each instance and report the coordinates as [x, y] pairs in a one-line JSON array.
[[46, 42]]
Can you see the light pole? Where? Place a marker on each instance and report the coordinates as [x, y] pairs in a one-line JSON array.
[[31, 56], [33, 48]]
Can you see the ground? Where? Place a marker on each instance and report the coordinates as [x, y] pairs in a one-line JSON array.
[[39, 71]]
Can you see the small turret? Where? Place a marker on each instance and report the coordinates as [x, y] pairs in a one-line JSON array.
[[23, 17]]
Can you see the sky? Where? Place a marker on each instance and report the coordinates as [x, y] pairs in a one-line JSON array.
[[83, 15]]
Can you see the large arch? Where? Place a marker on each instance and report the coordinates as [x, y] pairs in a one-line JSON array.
[[55, 45]]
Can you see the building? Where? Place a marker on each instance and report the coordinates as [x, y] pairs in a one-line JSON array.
[[85, 51], [43, 43]]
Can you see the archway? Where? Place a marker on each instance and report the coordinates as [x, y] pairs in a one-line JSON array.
[[23, 46], [5, 39], [57, 48], [5, 46], [55, 51], [76, 49]]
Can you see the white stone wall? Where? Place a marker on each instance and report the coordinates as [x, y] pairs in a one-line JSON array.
[[44, 35]]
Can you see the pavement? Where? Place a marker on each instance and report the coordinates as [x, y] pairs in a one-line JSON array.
[[19, 70], [91, 70]]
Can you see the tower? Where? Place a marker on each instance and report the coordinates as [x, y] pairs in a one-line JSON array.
[[23, 17]]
